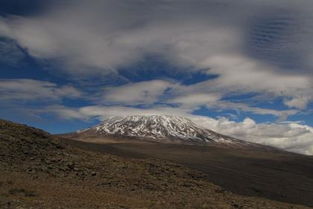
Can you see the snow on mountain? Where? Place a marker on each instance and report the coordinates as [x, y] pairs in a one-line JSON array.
[[161, 128]]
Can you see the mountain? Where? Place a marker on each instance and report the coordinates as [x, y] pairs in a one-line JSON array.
[[158, 128], [38, 170]]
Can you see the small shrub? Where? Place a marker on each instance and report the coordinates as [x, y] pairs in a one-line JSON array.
[[24, 192]]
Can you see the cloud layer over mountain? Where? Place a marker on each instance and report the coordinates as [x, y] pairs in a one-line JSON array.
[[253, 58]]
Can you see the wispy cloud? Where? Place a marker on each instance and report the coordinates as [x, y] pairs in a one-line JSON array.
[[102, 36], [147, 92], [31, 90]]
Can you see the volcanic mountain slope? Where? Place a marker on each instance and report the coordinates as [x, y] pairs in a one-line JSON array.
[[158, 128], [39, 171]]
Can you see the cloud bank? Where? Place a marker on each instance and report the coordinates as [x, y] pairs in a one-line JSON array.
[[291, 136]]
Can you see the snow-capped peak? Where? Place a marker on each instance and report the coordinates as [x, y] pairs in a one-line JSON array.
[[158, 128]]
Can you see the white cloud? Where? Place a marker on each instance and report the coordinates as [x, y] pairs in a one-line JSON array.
[[281, 114], [242, 72], [102, 112], [32, 90], [187, 97], [289, 136], [210, 94], [104, 35], [195, 100], [239, 74], [146, 92], [107, 34], [299, 102]]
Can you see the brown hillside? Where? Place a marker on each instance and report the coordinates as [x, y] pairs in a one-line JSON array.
[[38, 171]]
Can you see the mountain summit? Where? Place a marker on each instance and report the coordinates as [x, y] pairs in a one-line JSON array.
[[159, 128]]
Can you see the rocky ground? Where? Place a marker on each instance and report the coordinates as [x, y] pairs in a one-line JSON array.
[[38, 171]]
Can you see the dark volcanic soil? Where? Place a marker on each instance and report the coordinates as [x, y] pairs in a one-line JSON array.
[[275, 175]]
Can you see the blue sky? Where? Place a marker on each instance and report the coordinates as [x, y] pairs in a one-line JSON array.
[[66, 65]]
